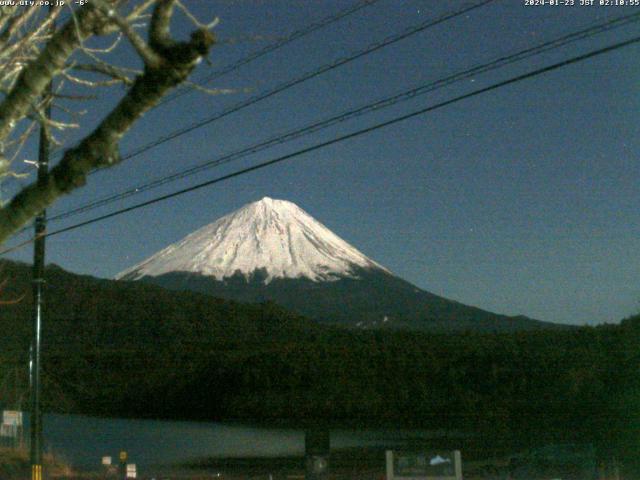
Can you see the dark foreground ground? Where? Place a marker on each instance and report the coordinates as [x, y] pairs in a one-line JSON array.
[[356, 464]]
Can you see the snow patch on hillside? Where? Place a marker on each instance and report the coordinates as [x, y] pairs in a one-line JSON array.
[[275, 236]]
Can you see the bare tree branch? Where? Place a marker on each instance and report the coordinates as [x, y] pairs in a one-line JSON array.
[[39, 73], [168, 65], [111, 71], [146, 53], [138, 11]]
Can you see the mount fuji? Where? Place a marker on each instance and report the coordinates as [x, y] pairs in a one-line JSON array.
[[273, 250], [275, 237]]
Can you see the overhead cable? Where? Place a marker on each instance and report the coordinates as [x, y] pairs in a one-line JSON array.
[[348, 136], [324, 22], [347, 115], [305, 77]]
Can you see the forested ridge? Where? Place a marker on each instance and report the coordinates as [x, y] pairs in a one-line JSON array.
[[113, 348]]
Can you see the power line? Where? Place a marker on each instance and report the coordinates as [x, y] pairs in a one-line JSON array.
[[429, 23], [349, 136], [375, 106], [307, 76], [274, 46], [324, 22]]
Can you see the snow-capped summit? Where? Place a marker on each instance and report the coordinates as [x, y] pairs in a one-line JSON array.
[[273, 236], [272, 250]]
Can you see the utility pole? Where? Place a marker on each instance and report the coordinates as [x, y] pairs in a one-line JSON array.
[[38, 291], [37, 288]]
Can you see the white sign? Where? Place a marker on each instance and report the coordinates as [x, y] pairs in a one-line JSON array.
[[12, 417], [106, 461], [131, 470], [8, 430], [424, 465]]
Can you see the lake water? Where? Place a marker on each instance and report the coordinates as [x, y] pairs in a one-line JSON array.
[[83, 440]]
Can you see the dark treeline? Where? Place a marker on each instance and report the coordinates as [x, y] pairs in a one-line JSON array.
[[132, 349]]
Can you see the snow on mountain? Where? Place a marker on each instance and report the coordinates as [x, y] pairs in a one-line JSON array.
[[275, 236]]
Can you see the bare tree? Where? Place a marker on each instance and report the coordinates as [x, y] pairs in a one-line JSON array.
[[34, 53]]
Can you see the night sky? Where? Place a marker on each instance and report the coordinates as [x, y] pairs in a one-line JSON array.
[[523, 200]]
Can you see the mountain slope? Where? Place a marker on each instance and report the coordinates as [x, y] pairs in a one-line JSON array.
[[274, 250], [108, 344], [271, 235], [372, 300], [127, 348]]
